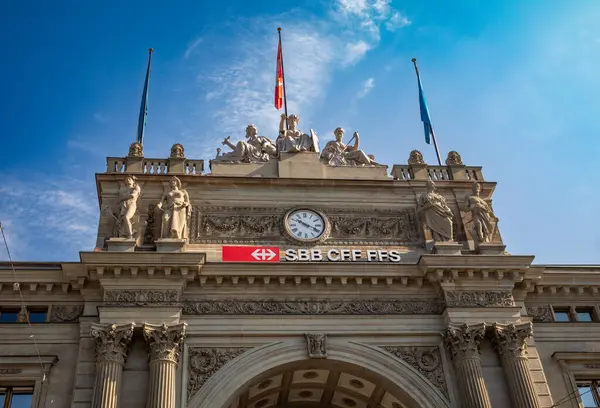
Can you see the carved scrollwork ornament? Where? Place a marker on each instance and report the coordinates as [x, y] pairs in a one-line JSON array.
[[317, 345], [510, 340], [112, 342], [463, 340], [540, 313], [164, 341], [68, 313], [205, 362]]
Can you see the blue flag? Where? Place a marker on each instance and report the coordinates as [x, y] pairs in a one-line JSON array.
[[144, 106], [425, 118]]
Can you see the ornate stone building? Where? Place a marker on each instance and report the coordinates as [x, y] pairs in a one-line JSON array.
[[290, 277]]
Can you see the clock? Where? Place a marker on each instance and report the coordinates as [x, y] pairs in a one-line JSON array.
[[305, 225]]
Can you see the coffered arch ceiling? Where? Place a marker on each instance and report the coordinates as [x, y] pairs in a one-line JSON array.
[[318, 384]]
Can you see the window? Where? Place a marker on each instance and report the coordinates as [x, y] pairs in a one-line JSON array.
[[16, 397], [584, 315], [589, 393], [35, 315], [562, 315]]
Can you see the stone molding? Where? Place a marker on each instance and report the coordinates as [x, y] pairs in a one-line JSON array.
[[112, 342], [164, 341], [463, 340], [141, 297], [66, 313], [540, 313], [206, 361], [426, 360], [314, 307], [479, 299], [316, 344], [510, 340]]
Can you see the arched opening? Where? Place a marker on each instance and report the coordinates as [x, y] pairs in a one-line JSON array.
[[353, 375]]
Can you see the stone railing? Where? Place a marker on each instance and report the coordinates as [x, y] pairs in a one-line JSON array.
[[436, 173], [143, 165]]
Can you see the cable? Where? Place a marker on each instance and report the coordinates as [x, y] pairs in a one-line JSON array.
[[572, 395], [23, 305]]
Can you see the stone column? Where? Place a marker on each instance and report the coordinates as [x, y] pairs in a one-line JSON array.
[[510, 341], [463, 343], [112, 343], [164, 343]]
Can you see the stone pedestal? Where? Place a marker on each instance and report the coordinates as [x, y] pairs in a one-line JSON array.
[[268, 169], [463, 343], [447, 248], [112, 343], [170, 245], [510, 341], [491, 248], [164, 343], [121, 244]]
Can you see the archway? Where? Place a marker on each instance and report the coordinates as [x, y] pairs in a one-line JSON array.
[[354, 375]]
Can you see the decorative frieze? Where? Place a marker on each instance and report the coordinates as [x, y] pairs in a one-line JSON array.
[[479, 299], [255, 225], [314, 307], [141, 297], [205, 362], [317, 345], [540, 313], [426, 360], [10, 371], [64, 314]]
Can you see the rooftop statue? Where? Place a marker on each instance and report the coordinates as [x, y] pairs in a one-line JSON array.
[[176, 207], [252, 150], [136, 150], [292, 140], [127, 207], [482, 216], [336, 153], [436, 213]]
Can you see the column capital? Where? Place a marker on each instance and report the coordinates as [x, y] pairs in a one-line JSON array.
[[510, 340], [112, 341], [463, 340], [164, 341]]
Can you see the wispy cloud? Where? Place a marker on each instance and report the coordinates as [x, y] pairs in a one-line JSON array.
[[367, 86], [192, 47], [397, 21], [370, 15], [355, 52]]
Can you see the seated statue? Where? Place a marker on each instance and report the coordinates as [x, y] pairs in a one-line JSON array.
[[336, 153], [292, 140], [252, 150]]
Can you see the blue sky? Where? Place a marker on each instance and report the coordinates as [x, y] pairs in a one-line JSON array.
[[512, 85]]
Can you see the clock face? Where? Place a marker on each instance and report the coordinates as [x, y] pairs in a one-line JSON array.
[[305, 225]]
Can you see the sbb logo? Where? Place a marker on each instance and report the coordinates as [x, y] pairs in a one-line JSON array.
[[250, 254]]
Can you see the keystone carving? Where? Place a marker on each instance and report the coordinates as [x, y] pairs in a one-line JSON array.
[[205, 362], [317, 345], [510, 340], [479, 299], [426, 360], [63, 314], [112, 342], [540, 313], [463, 340], [314, 307], [141, 297], [164, 341]]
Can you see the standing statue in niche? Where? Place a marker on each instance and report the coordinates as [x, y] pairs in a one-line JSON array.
[[438, 216], [254, 149], [176, 207], [482, 216], [292, 140], [336, 153], [128, 197]]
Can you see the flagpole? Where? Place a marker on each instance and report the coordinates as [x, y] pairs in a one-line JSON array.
[[283, 80], [144, 106], [437, 151]]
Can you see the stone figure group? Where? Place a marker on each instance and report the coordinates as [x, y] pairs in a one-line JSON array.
[[261, 149], [438, 216]]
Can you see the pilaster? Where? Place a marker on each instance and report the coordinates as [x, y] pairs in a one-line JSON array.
[[112, 343], [510, 341], [164, 343], [463, 343]]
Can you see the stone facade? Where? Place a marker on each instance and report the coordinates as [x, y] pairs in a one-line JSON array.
[[382, 307]]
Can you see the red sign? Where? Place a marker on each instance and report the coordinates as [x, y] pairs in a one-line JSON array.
[[250, 254]]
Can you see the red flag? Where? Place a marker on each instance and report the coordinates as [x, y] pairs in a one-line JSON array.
[[279, 79]]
